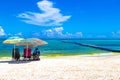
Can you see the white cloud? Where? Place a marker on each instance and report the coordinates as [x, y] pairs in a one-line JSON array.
[[2, 33], [18, 34], [79, 34], [49, 33], [50, 16], [68, 35], [58, 33], [116, 34], [54, 32], [76, 35]]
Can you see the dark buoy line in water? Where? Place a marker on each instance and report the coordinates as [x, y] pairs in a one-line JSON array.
[[93, 46]]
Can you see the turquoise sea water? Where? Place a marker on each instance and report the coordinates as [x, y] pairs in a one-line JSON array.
[[59, 47]]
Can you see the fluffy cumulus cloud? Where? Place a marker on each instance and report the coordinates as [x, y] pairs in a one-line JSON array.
[[2, 33], [50, 16], [54, 32], [58, 33]]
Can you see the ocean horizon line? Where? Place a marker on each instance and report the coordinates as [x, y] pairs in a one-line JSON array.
[[72, 38]]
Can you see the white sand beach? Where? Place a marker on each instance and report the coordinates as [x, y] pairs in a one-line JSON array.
[[63, 68]]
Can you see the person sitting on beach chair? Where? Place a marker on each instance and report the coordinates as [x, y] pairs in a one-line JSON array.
[[15, 54], [27, 53], [36, 54]]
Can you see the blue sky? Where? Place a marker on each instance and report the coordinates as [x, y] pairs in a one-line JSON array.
[[60, 18]]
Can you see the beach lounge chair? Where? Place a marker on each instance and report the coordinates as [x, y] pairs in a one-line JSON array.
[[27, 53]]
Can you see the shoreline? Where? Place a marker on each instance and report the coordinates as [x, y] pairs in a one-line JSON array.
[[68, 55]]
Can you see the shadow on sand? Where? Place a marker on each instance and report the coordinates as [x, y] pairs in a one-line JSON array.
[[17, 62]]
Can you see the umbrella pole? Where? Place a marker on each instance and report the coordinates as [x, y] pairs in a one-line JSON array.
[[14, 52], [27, 51]]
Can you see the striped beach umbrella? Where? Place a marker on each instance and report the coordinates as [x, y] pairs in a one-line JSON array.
[[13, 40]]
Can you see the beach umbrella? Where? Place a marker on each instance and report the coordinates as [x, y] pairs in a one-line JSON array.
[[13, 40], [31, 42], [39, 42]]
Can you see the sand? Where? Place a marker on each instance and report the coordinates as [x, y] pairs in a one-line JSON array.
[[63, 68]]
